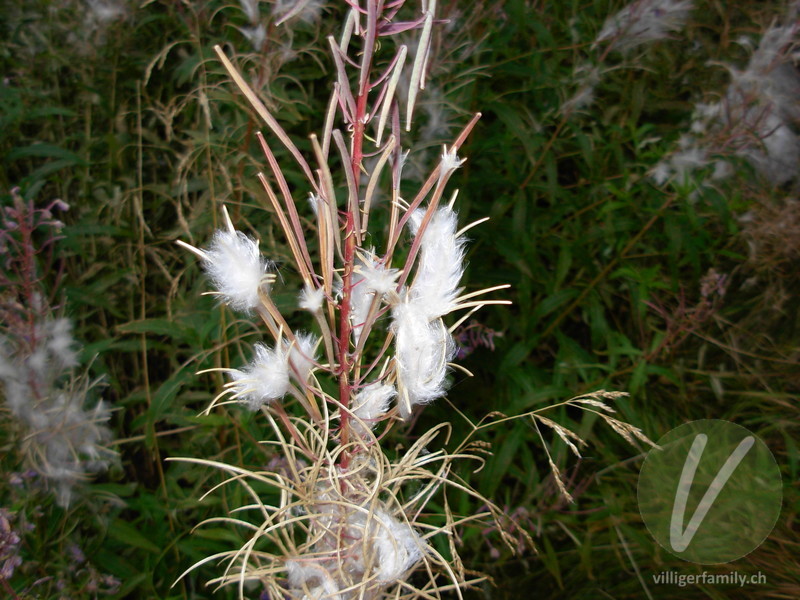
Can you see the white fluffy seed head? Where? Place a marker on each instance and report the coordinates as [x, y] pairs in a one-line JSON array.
[[423, 344], [370, 280], [308, 11], [370, 404], [377, 278], [312, 579], [762, 102], [311, 299], [236, 268], [54, 350], [314, 201], [360, 301], [65, 438], [255, 34], [644, 21], [265, 379], [396, 546], [450, 162], [61, 343], [423, 348], [250, 9], [772, 51], [440, 264], [301, 356]]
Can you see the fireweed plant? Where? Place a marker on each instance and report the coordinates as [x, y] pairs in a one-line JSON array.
[[754, 118], [638, 24], [63, 432], [351, 522]]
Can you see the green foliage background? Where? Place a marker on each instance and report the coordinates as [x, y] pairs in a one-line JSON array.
[[133, 123]]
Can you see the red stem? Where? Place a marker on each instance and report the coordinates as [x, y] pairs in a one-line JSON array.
[[28, 272], [345, 327], [345, 330], [9, 589], [358, 134]]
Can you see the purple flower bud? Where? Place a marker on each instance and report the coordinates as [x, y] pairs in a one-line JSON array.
[[76, 553]]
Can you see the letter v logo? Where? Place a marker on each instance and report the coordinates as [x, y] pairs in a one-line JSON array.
[[680, 540], [710, 491]]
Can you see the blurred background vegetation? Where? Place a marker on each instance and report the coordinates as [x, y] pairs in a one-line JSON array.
[[683, 294]]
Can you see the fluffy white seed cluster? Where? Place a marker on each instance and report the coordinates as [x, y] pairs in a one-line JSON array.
[[371, 282], [680, 165], [267, 377], [757, 116], [397, 547], [255, 31], [586, 77], [308, 11], [450, 162], [99, 16], [441, 262], [423, 349], [370, 404], [423, 343], [235, 266], [302, 356], [645, 21], [311, 299], [763, 101], [311, 580], [354, 543], [66, 440]]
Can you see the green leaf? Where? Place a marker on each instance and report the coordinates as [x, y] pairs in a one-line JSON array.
[[638, 378], [550, 560], [554, 301], [49, 168], [46, 151], [500, 463], [165, 327], [129, 535], [165, 395]]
